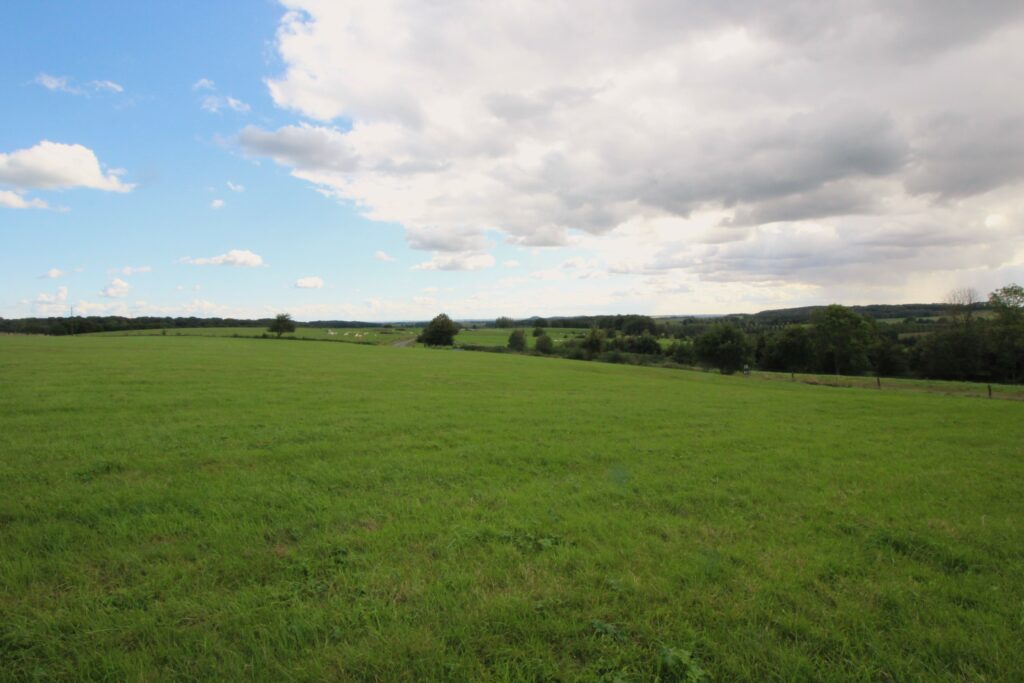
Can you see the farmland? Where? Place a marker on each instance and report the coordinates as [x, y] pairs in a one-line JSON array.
[[209, 507], [358, 335]]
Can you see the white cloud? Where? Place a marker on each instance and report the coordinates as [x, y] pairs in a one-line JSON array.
[[457, 261], [215, 103], [53, 82], [64, 84], [204, 84], [217, 204], [14, 200], [116, 288], [133, 270], [52, 304], [53, 165], [108, 86], [235, 188], [235, 257], [383, 256], [511, 263], [54, 273], [309, 283], [623, 130]]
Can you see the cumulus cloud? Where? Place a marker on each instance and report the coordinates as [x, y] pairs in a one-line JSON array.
[[54, 165], [633, 123], [383, 256], [312, 282], [53, 273], [204, 84], [234, 257], [116, 288], [52, 304], [15, 200], [235, 187], [217, 204]]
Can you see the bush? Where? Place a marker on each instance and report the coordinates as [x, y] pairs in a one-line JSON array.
[[537, 331], [545, 345], [517, 340], [682, 353]]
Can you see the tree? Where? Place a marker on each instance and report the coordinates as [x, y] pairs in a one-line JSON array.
[[789, 350], [960, 305], [594, 341], [282, 324], [517, 340], [723, 346], [682, 352], [1008, 305], [440, 331], [841, 339], [504, 321], [545, 345], [537, 331]]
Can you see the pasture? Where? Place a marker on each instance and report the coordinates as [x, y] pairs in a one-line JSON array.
[[495, 336], [358, 335], [204, 508]]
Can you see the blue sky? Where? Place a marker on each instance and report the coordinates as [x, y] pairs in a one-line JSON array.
[[401, 162]]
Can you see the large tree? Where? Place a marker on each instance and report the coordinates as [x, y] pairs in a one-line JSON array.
[[1008, 305], [282, 324], [440, 331], [842, 339], [724, 346]]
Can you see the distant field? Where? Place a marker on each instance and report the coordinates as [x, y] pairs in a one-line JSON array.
[[365, 335], [210, 508], [493, 336]]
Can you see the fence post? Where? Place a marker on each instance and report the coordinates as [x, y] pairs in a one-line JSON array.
[[878, 380], [990, 391]]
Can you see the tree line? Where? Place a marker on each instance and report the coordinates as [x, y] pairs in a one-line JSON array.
[[964, 338]]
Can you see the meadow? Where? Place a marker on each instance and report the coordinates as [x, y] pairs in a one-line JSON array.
[[357, 335], [495, 336], [205, 508]]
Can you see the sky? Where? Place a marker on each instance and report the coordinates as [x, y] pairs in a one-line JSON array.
[[391, 160]]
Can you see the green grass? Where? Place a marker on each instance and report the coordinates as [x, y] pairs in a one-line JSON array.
[[935, 386], [208, 508], [360, 335], [494, 336]]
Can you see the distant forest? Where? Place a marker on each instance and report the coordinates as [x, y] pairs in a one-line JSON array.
[[115, 323]]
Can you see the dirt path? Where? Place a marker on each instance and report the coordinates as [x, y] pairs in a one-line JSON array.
[[403, 343]]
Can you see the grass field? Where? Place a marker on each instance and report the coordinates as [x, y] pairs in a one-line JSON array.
[[493, 336], [208, 508], [362, 335]]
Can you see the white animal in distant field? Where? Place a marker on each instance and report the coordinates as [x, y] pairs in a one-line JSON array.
[[331, 333]]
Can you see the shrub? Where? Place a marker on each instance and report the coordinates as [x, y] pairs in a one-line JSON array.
[[545, 345], [517, 340]]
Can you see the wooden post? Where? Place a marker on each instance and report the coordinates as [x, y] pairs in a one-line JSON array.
[[792, 377], [878, 380], [990, 391]]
